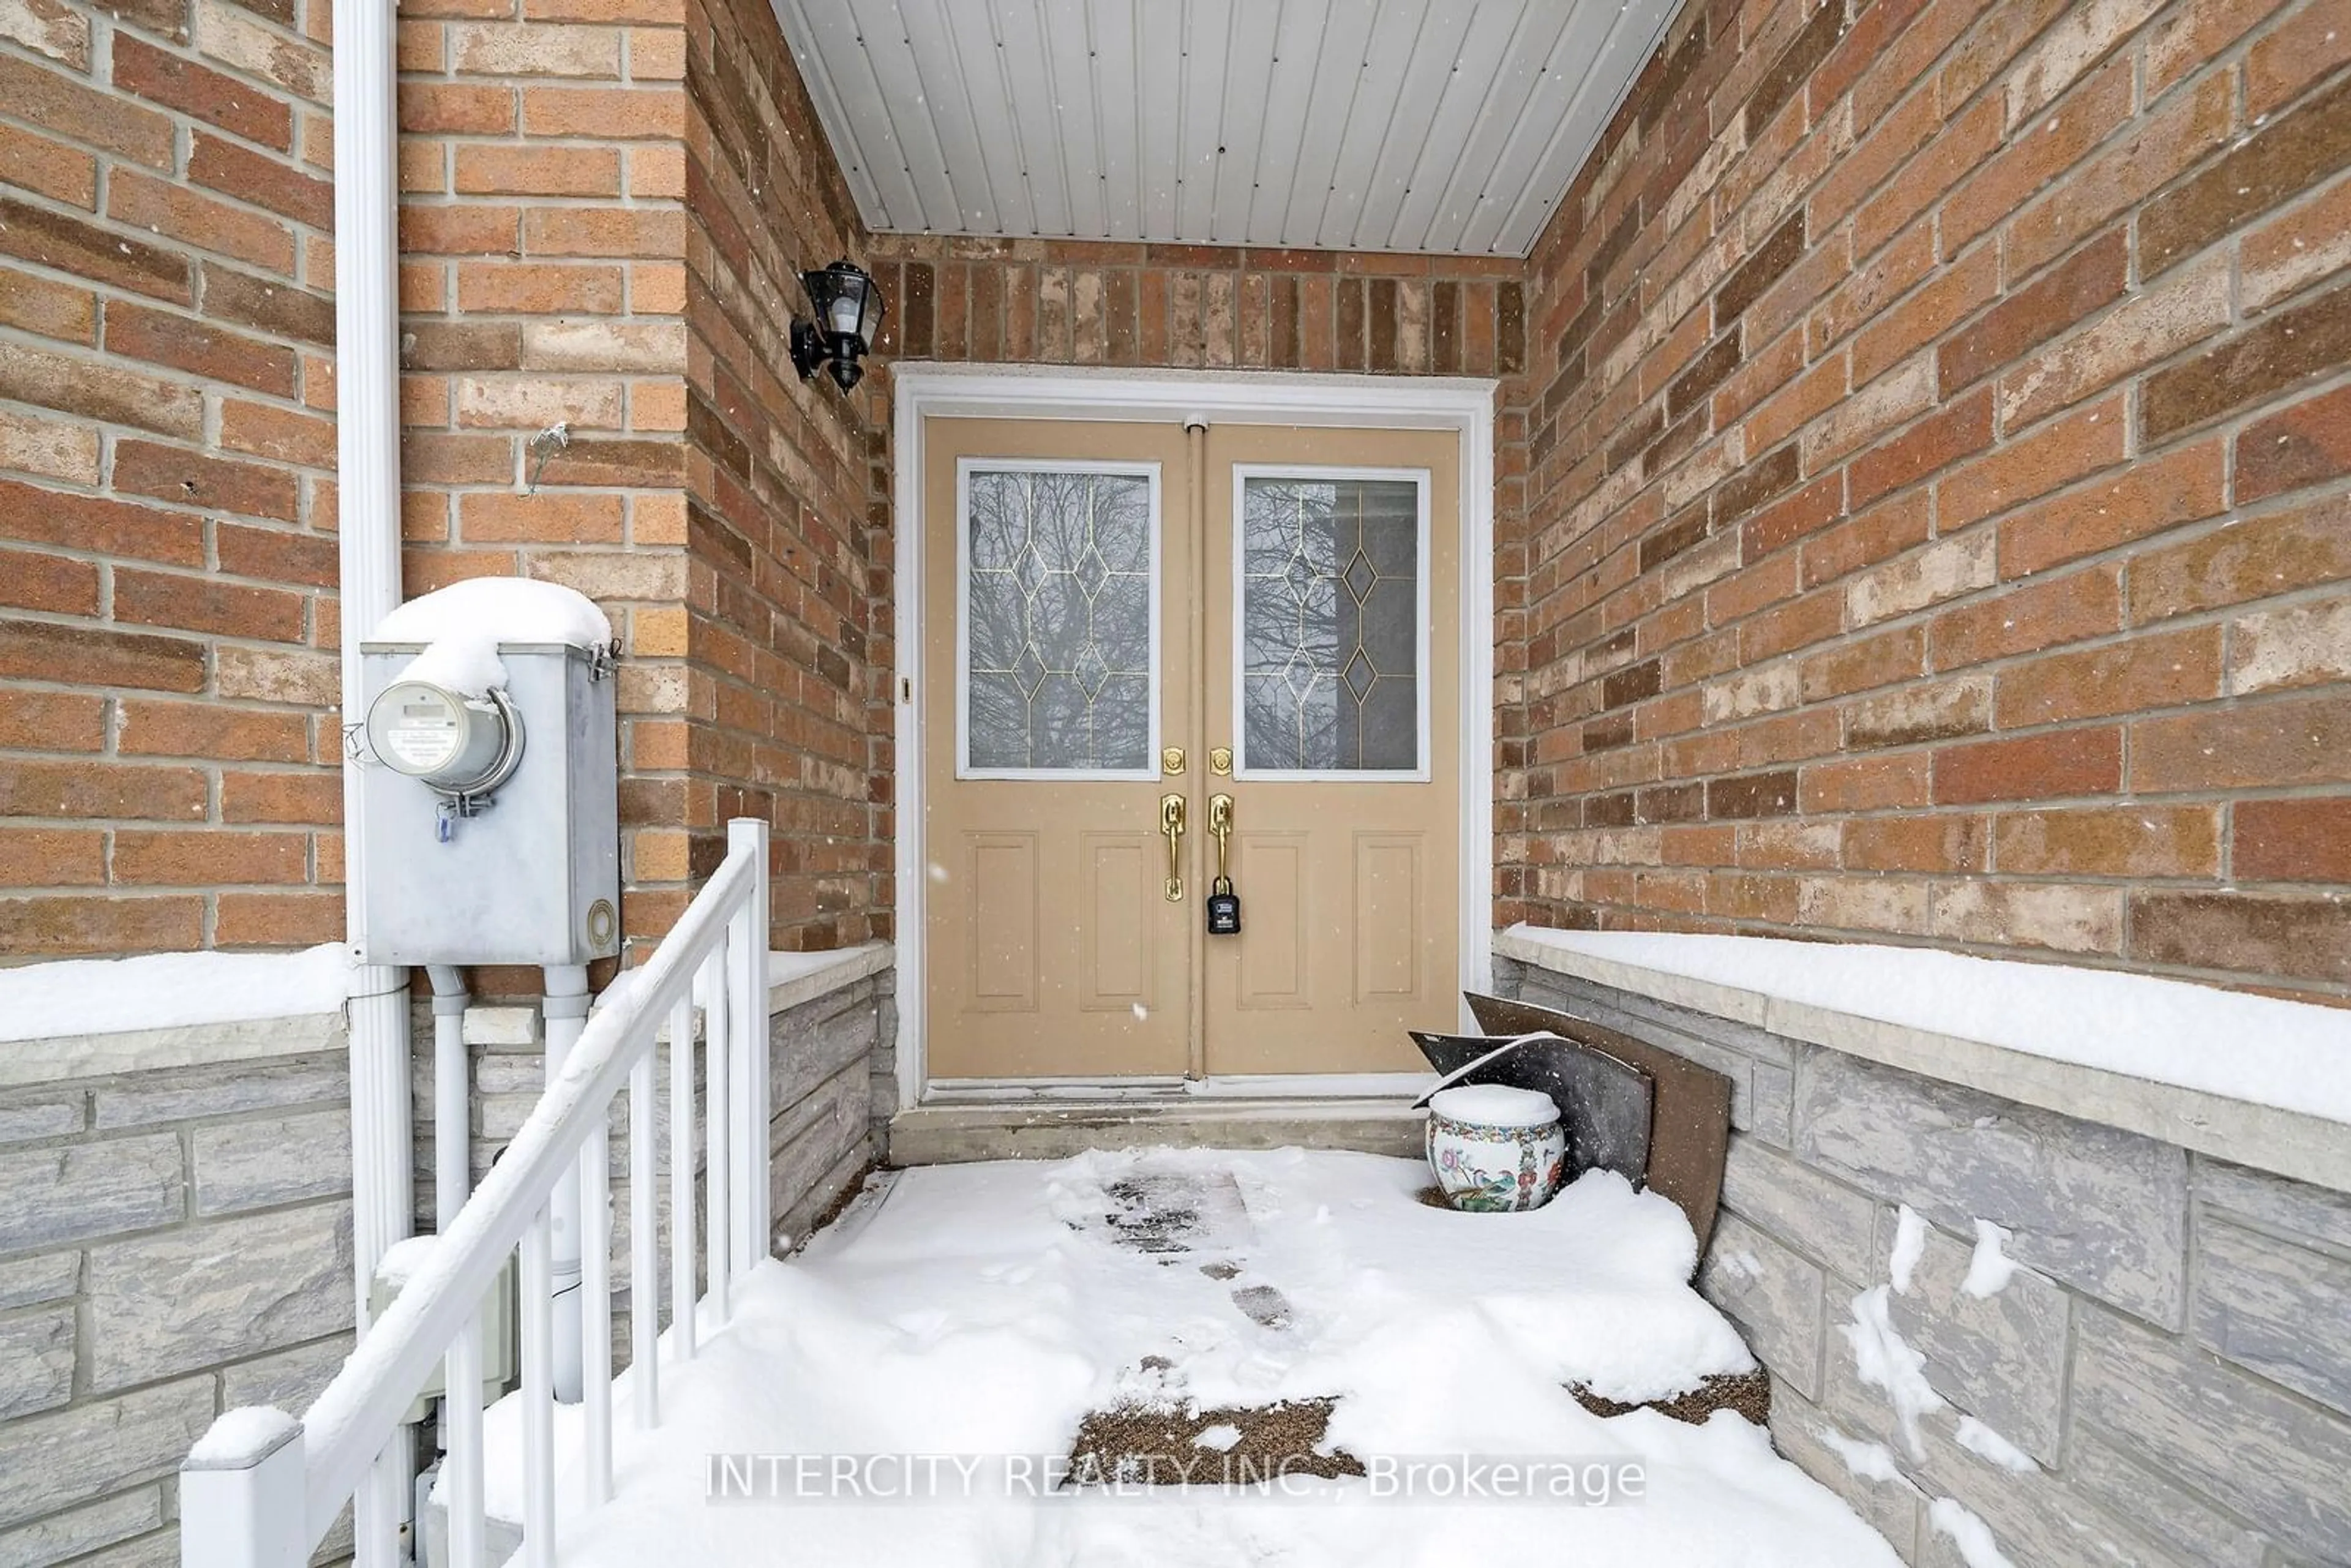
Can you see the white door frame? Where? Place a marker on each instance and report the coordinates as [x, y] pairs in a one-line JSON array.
[[1460, 403]]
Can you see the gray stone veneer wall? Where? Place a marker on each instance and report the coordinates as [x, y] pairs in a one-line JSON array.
[[831, 1085], [2175, 1355], [172, 1243], [831, 1089], [177, 1242]]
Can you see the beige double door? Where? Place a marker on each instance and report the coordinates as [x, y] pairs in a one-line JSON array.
[[1147, 632]]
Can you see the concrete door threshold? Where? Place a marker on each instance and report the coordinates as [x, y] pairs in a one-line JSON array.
[[952, 1130]]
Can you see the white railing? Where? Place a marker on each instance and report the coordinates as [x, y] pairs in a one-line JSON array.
[[262, 1490]]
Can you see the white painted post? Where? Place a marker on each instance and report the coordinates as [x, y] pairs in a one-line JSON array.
[[681, 1177], [644, 1257], [460, 1460], [717, 1126], [245, 1510], [538, 1392], [596, 1309], [748, 943]]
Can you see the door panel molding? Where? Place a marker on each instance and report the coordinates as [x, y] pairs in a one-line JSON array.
[[1387, 916], [1121, 882], [1460, 404], [1000, 902], [1272, 866]]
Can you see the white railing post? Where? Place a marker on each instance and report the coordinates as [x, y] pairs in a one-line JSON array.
[[747, 944], [717, 1129], [462, 1458], [538, 1394], [681, 1177], [596, 1309], [245, 1510], [644, 1248]]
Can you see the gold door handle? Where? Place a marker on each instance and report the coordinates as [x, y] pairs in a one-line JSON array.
[[1220, 823], [1171, 822]]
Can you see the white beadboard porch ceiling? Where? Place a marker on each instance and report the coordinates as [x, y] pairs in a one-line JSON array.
[[1443, 126]]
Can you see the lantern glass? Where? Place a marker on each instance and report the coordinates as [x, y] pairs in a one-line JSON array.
[[848, 318], [846, 301], [849, 311], [869, 314]]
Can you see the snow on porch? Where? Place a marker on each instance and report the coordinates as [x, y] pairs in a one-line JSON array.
[[986, 1311]]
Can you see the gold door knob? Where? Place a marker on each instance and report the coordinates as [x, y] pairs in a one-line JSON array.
[[1171, 822]]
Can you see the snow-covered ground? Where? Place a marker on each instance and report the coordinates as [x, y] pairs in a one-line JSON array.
[[984, 1310]]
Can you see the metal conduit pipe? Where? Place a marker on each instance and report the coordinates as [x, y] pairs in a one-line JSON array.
[[453, 1090], [565, 1009]]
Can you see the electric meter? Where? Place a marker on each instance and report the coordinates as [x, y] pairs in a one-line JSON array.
[[469, 851], [458, 745]]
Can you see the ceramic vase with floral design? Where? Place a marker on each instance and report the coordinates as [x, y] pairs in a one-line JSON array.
[[1495, 1149]]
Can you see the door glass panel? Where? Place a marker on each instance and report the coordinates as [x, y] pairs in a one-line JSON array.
[[1329, 625], [1057, 621]]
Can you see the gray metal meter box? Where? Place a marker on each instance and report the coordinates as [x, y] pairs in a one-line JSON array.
[[492, 824], [499, 1366]]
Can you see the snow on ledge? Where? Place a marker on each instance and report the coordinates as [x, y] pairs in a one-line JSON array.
[[76, 997], [826, 969], [2290, 1056], [242, 1438]]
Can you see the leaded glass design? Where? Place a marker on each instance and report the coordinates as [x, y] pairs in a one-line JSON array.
[[1329, 625], [1057, 618]]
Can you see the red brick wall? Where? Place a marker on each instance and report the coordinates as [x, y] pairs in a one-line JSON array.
[[1936, 434], [167, 564], [1920, 489], [543, 281], [167, 558], [606, 201], [790, 651]]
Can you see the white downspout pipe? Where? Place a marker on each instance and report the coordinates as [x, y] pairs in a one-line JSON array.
[[367, 452]]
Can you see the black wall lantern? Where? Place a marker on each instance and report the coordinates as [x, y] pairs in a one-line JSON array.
[[848, 315]]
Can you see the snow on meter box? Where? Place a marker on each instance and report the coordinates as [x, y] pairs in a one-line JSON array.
[[487, 758]]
